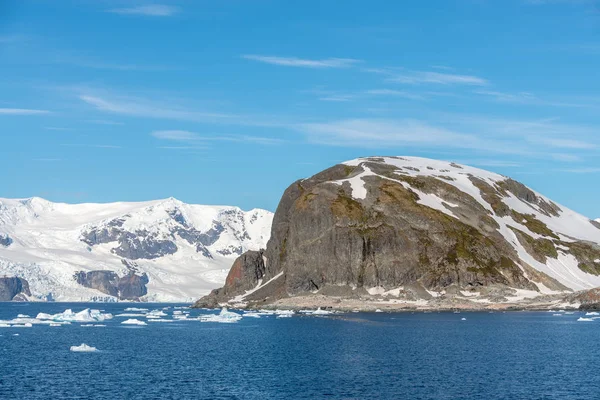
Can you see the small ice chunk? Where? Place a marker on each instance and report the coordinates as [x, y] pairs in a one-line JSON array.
[[378, 310], [133, 321], [463, 319], [134, 309], [83, 348], [23, 316], [27, 325], [581, 319], [224, 317], [592, 313]]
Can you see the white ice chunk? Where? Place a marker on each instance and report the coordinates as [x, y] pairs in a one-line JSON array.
[[83, 348], [86, 315], [224, 317], [133, 321]]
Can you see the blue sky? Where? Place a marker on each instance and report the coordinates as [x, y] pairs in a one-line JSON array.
[[228, 102]]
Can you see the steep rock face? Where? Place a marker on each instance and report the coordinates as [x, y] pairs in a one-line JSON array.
[[128, 287], [396, 222], [10, 288]]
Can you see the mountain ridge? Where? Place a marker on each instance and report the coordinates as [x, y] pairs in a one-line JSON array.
[[67, 252]]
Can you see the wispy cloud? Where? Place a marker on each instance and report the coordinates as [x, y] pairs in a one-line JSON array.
[[531, 139], [96, 146], [175, 135], [565, 157], [195, 138], [429, 77], [585, 170], [303, 62], [491, 163], [105, 122], [373, 133], [395, 93], [151, 10], [22, 111], [520, 97], [564, 143], [47, 159], [137, 107]]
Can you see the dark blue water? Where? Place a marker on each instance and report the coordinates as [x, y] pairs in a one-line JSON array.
[[520, 355]]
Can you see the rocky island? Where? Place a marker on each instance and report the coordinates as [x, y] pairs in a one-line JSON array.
[[411, 233]]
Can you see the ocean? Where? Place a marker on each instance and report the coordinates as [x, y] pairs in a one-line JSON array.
[[512, 355]]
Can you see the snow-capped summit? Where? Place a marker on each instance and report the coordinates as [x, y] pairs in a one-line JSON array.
[[79, 252]]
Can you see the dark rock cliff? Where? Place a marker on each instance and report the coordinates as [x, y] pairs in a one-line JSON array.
[[10, 288]]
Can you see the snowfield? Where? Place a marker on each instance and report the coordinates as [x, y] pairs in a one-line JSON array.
[[185, 250], [568, 225]]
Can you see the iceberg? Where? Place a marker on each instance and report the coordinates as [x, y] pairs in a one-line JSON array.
[[83, 348], [224, 317], [133, 321], [86, 315]]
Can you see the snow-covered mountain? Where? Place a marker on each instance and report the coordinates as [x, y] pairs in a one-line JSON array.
[[162, 250]]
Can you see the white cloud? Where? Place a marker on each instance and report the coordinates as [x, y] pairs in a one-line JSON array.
[[566, 143], [175, 135], [194, 138], [301, 62], [142, 108], [394, 93], [152, 10], [585, 170], [22, 111], [373, 133], [428, 77]]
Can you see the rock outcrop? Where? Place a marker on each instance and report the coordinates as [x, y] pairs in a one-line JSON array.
[[12, 288], [128, 287], [388, 224], [5, 240]]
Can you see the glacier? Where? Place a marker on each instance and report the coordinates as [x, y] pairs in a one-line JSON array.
[[155, 251]]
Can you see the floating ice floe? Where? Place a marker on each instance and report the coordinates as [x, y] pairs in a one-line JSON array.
[[251, 315], [27, 325], [592, 313], [156, 314], [134, 309], [86, 315], [4, 325], [582, 319], [284, 316], [131, 315], [83, 348], [224, 317], [23, 316], [133, 321], [463, 319]]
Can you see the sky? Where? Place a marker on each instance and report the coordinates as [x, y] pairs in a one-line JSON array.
[[229, 102]]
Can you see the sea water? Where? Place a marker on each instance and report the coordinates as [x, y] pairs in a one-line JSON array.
[[513, 355]]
